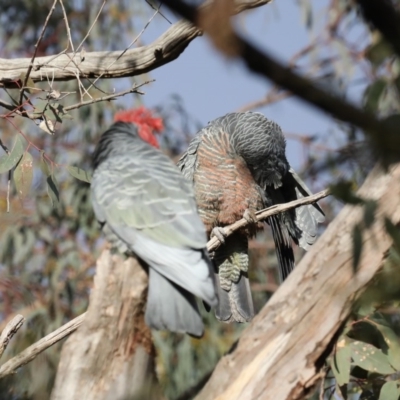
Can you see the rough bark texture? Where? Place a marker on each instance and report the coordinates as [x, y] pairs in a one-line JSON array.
[[111, 355], [111, 64], [281, 354]]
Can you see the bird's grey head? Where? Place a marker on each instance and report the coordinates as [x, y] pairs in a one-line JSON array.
[[260, 142]]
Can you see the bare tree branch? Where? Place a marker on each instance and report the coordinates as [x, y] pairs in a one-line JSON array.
[[9, 331], [134, 62], [261, 215], [32, 351], [28, 72]]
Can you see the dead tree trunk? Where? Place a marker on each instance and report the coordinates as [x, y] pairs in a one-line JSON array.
[[111, 354], [280, 356]]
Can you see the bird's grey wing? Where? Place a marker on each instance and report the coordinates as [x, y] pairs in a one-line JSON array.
[[188, 162], [307, 217], [150, 197]]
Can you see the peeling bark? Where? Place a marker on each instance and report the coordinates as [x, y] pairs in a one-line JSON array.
[[111, 355]]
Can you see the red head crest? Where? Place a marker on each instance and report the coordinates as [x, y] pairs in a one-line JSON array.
[[146, 123]]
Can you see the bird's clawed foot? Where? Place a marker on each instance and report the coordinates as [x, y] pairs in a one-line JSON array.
[[250, 216], [219, 233]]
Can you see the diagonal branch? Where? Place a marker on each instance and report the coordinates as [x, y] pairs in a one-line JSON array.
[[32, 351], [9, 331]]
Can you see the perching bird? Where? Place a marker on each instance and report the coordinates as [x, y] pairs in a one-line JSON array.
[[238, 166], [146, 207]]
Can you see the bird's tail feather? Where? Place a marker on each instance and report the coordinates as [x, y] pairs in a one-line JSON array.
[[235, 300], [283, 246], [171, 307]]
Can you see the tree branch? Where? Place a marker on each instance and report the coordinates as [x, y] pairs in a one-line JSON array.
[[32, 351], [133, 62], [9, 331], [261, 215]]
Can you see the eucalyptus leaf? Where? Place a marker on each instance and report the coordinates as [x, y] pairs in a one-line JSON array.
[[23, 175], [9, 161], [370, 358], [80, 174], [341, 362], [390, 391]]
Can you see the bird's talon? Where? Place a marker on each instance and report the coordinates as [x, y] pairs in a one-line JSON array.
[[219, 233], [250, 216]]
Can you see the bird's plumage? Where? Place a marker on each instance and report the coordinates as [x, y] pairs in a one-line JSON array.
[[238, 162], [147, 208]]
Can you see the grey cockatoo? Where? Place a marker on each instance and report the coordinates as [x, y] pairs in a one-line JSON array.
[[238, 165], [146, 207]]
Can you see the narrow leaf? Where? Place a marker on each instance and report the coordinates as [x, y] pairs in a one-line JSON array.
[[370, 358], [44, 166], [341, 364], [23, 175], [80, 174], [10, 160], [390, 391], [52, 190]]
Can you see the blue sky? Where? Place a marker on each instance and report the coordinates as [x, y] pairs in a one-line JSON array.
[[212, 85]]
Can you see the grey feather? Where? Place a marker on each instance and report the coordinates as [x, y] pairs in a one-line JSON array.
[[178, 314]]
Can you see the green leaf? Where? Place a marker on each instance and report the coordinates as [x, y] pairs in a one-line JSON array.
[[80, 174], [44, 166], [373, 93], [393, 343], [357, 245], [9, 161], [52, 190], [341, 364], [390, 391], [23, 175], [377, 52], [370, 358]]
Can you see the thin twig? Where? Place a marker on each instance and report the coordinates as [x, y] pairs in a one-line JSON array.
[[214, 242], [91, 27], [133, 89], [32, 351], [28, 72], [9, 331], [67, 27], [129, 46], [271, 97]]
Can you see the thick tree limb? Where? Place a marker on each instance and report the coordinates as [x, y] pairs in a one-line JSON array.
[[280, 355], [111, 355], [32, 351], [110, 64]]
